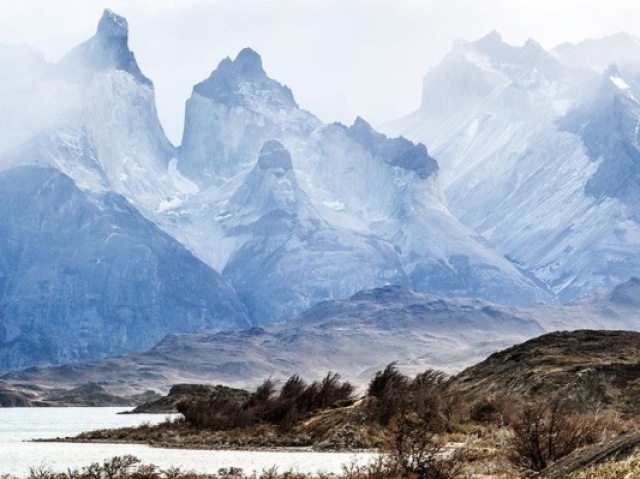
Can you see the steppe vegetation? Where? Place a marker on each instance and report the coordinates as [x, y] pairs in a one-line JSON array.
[[423, 427]]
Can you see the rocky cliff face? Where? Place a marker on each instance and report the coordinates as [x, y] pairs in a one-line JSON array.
[[83, 272], [289, 210], [85, 275], [343, 208]]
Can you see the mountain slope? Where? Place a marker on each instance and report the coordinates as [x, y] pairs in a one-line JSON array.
[[355, 337], [598, 366], [84, 276], [538, 157], [289, 210], [360, 335], [358, 207]]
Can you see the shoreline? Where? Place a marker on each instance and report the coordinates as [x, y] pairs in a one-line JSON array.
[[207, 447]]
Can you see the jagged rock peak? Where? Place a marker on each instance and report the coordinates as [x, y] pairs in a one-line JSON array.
[[249, 64], [495, 47], [112, 25], [361, 123], [491, 38], [107, 50], [398, 152], [243, 81], [247, 67], [532, 44], [491, 44], [274, 155]]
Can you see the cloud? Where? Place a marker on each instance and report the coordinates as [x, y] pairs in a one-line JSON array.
[[341, 58]]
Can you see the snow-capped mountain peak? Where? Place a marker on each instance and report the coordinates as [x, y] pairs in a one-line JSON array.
[[539, 153], [107, 50], [231, 114], [103, 130], [398, 152], [244, 82], [112, 25]]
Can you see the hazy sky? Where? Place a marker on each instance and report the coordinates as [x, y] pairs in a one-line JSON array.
[[341, 58]]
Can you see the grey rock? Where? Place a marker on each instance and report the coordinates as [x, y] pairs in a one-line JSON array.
[[83, 276]]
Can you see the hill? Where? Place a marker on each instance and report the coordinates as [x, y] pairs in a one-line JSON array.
[[596, 367]]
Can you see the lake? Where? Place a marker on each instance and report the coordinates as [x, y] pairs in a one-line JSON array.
[[18, 425]]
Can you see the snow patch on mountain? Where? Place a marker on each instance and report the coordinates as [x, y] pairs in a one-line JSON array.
[[524, 139], [231, 114], [289, 210]]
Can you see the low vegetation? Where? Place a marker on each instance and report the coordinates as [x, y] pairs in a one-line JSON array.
[[559, 405], [129, 467], [423, 426], [296, 400], [624, 469]]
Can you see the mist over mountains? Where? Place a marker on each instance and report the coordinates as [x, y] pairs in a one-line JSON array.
[[112, 237], [539, 153]]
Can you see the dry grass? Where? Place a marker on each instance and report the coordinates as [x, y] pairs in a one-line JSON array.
[[627, 469]]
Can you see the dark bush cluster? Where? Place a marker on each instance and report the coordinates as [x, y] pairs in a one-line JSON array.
[[496, 410], [294, 401], [392, 395]]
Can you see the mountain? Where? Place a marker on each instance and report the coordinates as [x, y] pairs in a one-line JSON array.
[[360, 335], [108, 50], [341, 208], [84, 276], [232, 113], [538, 153], [354, 337], [82, 272], [287, 253], [263, 211], [93, 117], [619, 49]]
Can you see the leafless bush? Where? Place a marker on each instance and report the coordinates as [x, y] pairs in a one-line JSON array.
[[413, 450], [495, 410], [543, 432]]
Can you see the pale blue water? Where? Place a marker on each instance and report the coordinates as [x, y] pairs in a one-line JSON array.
[[18, 425]]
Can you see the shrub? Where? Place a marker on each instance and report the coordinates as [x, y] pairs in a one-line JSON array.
[[394, 395], [226, 408], [413, 451], [544, 432]]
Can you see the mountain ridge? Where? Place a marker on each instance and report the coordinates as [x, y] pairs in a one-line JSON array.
[[292, 211], [355, 337], [535, 160]]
